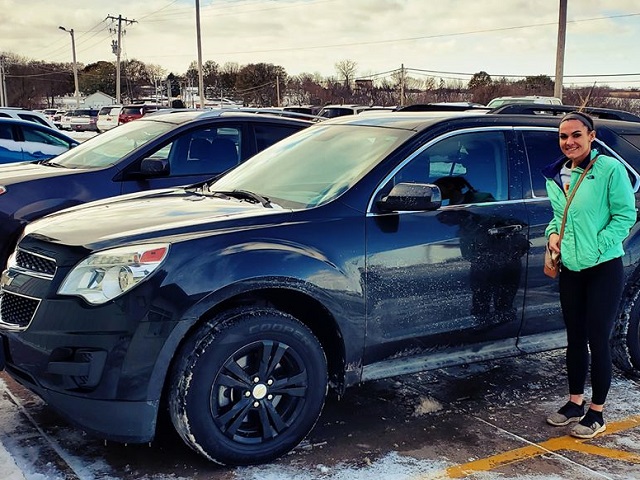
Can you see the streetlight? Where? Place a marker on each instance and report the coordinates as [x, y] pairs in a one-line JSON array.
[[75, 65]]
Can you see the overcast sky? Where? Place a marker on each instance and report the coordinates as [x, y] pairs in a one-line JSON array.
[[444, 38]]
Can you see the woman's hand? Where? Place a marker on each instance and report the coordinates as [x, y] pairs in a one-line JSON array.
[[554, 243]]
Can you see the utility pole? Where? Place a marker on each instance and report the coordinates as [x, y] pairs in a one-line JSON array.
[[75, 66], [116, 46], [402, 85], [562, 34], [277, 90], [199, 41], [3, 85]]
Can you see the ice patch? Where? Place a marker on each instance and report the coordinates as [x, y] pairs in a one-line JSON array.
[[427, 405], [390, 467]]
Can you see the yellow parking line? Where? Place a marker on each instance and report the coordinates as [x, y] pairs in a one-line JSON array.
[[606, 452], [552, 445]]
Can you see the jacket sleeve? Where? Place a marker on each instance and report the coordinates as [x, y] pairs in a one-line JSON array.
[[622, 208]]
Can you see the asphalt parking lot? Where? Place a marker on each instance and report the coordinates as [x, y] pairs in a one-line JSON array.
[[484, 421]]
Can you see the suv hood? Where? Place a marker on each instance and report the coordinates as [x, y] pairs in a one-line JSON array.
[[12, 173], [136, 217]]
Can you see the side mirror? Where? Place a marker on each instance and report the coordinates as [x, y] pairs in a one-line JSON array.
[[154, 167], [411, 197]]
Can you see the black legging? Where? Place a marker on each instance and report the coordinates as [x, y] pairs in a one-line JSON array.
[[590, 300]]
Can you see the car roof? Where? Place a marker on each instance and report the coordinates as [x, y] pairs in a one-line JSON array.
[[179, 116], [500, 117]]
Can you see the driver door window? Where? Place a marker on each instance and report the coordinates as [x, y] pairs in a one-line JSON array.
[[468, 168]]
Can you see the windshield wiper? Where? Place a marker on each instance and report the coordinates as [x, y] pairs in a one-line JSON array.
[[247, 195], [49, 163]]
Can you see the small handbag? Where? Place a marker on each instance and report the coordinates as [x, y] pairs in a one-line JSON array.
[[551, 258]]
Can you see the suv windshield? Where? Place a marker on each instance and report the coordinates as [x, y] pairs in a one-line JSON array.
[[109, 147], [314, 166]]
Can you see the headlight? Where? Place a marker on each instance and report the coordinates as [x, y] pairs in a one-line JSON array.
[[3, 189], [107, 275]]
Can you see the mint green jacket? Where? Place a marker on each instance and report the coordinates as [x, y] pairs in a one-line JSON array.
[[600, 215]]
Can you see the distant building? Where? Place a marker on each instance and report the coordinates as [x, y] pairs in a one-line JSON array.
[[98, 99]]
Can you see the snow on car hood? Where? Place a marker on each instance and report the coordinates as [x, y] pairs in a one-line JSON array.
[[148, 215]]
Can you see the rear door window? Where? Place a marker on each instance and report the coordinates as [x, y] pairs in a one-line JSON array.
[[266, 134], [206, 151]]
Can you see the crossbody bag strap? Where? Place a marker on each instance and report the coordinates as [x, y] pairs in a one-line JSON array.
[[573, 192]]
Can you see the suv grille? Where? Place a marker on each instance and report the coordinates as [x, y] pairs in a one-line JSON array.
[[16, 310], [36, 263]]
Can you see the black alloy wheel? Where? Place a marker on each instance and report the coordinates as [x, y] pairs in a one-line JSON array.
[[249, 389]]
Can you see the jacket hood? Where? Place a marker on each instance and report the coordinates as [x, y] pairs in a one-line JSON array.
[[149, 215]]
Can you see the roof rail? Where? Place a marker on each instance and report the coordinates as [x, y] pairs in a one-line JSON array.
[[432, 107], [555, 110], [278, 112]]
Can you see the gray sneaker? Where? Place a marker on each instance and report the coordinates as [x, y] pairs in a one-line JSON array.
[[588, 427], [568, 413]]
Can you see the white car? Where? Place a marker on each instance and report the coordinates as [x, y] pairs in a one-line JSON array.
[[24, 114], [65, 120], [500, 101], [108, 117]]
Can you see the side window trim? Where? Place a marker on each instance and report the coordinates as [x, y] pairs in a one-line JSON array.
[[430, 143]]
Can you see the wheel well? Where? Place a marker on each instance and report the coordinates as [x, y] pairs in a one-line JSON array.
[[303, 307]]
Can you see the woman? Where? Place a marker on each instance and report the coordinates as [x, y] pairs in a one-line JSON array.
[[591, 276]]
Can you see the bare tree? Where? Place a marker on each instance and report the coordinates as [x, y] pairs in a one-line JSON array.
[[346, 70]]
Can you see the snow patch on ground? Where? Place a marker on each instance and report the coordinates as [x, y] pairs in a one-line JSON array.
[[390, 467], [427, 405], [8, 467]]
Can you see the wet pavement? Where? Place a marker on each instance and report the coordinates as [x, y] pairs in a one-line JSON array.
[[481, 421]]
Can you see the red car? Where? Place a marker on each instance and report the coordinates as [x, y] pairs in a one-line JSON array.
[[135, 111]]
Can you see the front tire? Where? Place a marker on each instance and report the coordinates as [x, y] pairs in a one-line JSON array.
[[248, 386]]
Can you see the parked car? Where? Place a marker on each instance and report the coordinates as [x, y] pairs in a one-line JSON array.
[[24, 114], [65, 120], [84, 120], [332, 111], [108, 117], [334, 257], [159, 151], [22, 140], [136, 111], [57, 118], [500, 101], [306, 109]]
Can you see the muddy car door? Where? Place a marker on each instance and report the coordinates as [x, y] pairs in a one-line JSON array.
[[453, 276]]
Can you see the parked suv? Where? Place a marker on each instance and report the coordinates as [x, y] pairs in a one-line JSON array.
[[24, 114], [84, 120], [158, 151], [22, 141], [136, 111], [357, 249], [108, 117]]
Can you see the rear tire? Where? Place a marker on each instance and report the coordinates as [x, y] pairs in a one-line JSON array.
[[248, 386], [625, 341]]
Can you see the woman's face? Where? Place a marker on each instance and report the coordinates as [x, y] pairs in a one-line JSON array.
[[575, 139]]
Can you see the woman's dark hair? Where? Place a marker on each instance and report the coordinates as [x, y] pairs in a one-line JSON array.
[[585, 119]]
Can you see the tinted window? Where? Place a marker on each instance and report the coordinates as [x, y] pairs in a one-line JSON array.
[[468, 168], [32, 118], [40, 136], [206, 151], [6, 132], [267, 135], [542, 148]]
